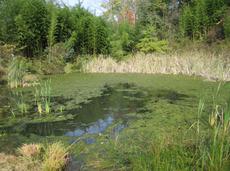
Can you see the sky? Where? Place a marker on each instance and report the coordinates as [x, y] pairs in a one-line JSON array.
[[92, 5]]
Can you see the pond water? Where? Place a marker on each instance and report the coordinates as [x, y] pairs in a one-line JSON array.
[[93, 116], [101, 102]]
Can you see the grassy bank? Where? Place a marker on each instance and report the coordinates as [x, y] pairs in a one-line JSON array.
[[169, 136], [199, 63]]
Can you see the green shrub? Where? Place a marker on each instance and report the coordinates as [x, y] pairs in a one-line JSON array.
[[68, 68], [150, 43]]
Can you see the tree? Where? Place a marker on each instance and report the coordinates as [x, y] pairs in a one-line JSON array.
[[187, 22], [227, 26], [9, 9], [120, 10], [32, 25], [149, 42], [64, 25], [102, 41], [52, 29], [199, 17]]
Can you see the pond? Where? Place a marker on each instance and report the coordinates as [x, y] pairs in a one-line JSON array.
[[97, 102], [91, 117], [94, 116]]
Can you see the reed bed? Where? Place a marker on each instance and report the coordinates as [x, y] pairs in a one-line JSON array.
[[199, 63]]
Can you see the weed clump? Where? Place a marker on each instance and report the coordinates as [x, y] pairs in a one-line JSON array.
[[56, 157]]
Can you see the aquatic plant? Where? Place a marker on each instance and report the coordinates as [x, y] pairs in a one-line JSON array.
[[19, 103], [205, 145], [16, 70], [42, 95]]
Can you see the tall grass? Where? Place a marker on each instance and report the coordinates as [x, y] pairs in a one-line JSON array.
[[16, 70], [56, 157], [36, 157], [42, 97], [19, 104], [199, 63]]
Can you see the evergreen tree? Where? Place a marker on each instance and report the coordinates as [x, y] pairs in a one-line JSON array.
[[9, 9], [201, 19], [64, 25], [32, 24], [199, 16], [187, 22], [102, 41]]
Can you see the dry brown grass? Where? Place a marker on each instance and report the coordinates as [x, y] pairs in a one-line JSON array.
[[30, 150], [18, 163], [35, 157], [199, 63]]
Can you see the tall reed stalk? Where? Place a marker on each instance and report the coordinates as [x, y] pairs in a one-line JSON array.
[[42, 97], [20, 103]]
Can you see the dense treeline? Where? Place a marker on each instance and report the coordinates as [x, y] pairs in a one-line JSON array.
[[36, 25], [202, 19], [127, 26], [160, 22]]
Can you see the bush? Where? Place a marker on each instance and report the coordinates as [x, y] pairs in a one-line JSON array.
[[68, 68], [150, 43]]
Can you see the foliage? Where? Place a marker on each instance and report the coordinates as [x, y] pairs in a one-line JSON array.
[[36, 25], [156, 13], [200, 17], [16, 70], [64, 25], [122, 39], [68, 68], [52, 29], [150, 43], [227, 26], [32, 26], [9, 10], [42, 97]]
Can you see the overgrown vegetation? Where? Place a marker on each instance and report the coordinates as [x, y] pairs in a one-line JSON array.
[[203, 145], [55, 38], [185, 63], [44, 37]]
